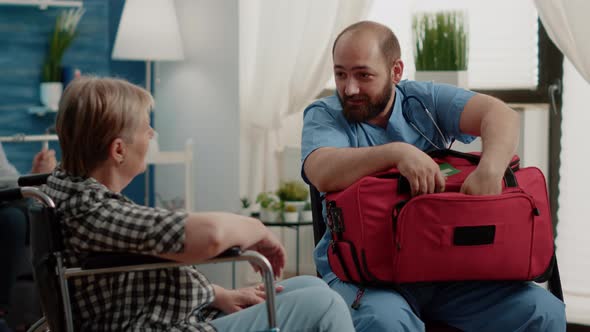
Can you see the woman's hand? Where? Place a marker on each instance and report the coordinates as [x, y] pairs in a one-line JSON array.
[[273, 250], [233, 300], [44, 161]]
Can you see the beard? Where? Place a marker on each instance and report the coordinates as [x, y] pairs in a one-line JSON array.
[[369, 109]]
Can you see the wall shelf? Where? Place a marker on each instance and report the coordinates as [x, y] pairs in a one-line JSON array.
[[43, 4]]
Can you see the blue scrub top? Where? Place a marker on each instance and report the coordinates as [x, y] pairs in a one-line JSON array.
[[324, 125]]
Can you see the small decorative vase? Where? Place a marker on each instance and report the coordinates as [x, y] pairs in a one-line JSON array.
[[245, 212], [297, 204], [456, 78], [50, 94], [291, 217], [269, 215], [306, 215]]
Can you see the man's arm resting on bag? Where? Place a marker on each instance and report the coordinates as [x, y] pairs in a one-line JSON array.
[[333, 169], [498, 125]]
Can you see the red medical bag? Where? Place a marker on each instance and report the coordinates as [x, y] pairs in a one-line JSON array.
[[381, 235]]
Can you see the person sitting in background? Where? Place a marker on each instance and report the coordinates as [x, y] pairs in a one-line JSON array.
[[13, 229], [104, 131]]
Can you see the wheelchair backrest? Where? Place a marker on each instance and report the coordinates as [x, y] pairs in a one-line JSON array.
[[45, 245], [319, 226]]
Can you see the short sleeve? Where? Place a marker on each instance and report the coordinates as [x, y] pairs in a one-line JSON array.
[[6, 168], [449, 103], [118, 225], [321, 128]]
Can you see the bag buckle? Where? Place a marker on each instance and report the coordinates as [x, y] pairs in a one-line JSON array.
[[335, 221]]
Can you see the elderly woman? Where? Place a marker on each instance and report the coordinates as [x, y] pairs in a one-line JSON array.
[[104, 131]]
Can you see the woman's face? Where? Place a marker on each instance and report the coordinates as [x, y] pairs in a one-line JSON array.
[[135, 160]]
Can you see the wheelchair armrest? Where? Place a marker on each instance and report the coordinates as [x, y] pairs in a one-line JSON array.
[[102, 260], [107, 260]]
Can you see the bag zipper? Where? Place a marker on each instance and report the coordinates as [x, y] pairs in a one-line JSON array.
[[394, 220]]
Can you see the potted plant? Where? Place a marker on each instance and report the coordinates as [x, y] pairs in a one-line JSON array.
[[306, 214], [293, 193], [64, 32], [270, 206], [441, 47], [290, 214], [245, 210]]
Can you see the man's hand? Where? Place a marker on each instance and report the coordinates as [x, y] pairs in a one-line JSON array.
[[44, 161], [483, 181], [233, 300], [422, 172], [271, 248]]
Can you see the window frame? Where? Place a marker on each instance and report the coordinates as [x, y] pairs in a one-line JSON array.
[[550, 66]]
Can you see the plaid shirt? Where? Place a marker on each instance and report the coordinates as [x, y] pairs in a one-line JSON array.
[[95, 219]]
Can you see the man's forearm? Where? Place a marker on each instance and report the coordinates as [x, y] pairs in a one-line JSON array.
[[333, 169], [500, 135]]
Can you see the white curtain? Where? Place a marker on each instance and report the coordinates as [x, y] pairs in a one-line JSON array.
[[285, 62], [566, 22], [567, 25]]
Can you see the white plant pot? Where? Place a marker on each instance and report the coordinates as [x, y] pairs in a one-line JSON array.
[[245, 212], [291, 217], [297, 204], [306, 215], [50, 93], [269, 216], [457, 78]]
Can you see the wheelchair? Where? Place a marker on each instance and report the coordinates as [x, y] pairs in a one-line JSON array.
[[319, 228], [52, 276]]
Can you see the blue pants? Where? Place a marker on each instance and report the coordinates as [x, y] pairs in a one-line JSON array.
[[13, 229], [305, 304], [469, 306]]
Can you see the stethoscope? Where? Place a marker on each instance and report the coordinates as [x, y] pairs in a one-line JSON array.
[[406, 108]]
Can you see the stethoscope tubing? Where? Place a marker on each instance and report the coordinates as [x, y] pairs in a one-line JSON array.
[[406, 108]]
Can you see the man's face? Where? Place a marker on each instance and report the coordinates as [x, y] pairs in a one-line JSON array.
[[363, 78]]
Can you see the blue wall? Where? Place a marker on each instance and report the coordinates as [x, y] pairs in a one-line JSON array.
[[24, 35]]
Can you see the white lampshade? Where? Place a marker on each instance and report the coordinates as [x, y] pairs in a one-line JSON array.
[[148, 31]]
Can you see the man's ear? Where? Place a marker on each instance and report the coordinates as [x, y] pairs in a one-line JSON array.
[[397, 70], [118, 151]]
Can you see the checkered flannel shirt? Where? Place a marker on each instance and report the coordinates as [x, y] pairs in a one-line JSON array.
[[93, 218]]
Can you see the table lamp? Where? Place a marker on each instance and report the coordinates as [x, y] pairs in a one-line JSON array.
[[148, 31]]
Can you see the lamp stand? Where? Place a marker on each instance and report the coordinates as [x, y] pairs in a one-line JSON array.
[[148, 87]]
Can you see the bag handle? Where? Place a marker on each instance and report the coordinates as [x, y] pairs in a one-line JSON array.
[[470, 157], [403, 185], [509, 177]]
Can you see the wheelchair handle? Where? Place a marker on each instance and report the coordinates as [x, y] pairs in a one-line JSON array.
[[33, 180], [12, 194]]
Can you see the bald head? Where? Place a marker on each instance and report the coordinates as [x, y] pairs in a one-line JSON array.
[[382, 35]]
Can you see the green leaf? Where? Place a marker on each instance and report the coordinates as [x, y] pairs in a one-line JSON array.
[[440, 41], [64, 33]]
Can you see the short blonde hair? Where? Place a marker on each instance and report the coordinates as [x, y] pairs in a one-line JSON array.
[[93, 112]]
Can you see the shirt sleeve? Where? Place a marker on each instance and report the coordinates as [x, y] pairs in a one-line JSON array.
[[321, 128], [6, 168], [118, 225], [449, 102]]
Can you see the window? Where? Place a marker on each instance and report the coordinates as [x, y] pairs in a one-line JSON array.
[[503, 43]]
